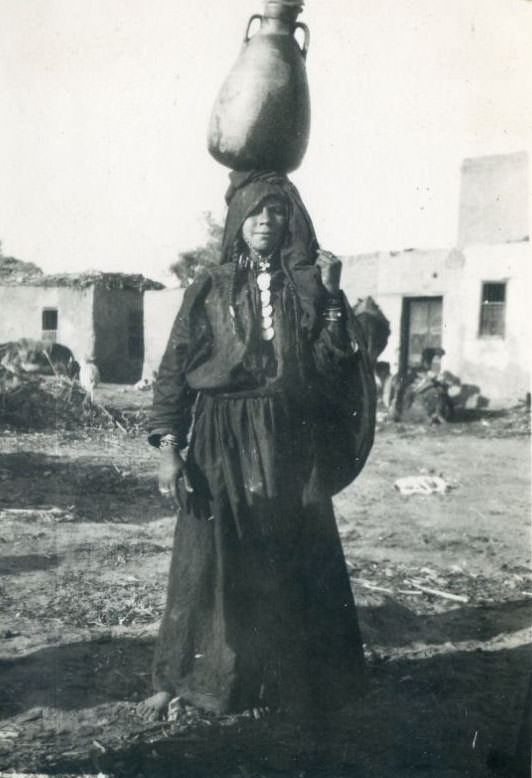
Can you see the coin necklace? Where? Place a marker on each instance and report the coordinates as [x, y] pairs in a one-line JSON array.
[[266, 309]]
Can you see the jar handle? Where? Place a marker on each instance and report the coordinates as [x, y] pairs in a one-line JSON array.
[[251, 20], [306, 41]]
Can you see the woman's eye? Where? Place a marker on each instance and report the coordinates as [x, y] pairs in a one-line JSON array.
[[272, 210]]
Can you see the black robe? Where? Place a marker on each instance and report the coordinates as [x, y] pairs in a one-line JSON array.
[[259, 607]]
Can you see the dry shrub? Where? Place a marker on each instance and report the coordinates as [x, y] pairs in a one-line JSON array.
[[35, 402]]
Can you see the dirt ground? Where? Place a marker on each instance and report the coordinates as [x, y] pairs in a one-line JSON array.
[[85, 545]]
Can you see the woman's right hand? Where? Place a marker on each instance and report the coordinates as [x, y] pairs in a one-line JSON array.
[[171, 467]]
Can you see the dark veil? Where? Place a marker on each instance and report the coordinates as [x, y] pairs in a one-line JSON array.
[[300, 248]]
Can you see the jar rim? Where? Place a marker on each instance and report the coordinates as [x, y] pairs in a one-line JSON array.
[[283, 8]]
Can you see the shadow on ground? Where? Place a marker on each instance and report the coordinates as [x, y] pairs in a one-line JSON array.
[[76, 676], [25, 563], [392, 624], [97, 490], [438, 717], [441, 716]]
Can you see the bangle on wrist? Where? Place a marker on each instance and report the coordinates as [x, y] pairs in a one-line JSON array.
[[168, 441], [334, 310]]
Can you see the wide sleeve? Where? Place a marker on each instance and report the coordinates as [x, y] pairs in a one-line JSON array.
[[344, 419], [173, 398], [336, 353]]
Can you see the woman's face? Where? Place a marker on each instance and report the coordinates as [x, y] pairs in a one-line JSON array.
[[264, 227]]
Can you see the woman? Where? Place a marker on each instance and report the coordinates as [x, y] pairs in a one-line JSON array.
[[266, 377]]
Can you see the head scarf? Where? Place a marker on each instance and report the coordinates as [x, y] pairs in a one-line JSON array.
[[299, 249]]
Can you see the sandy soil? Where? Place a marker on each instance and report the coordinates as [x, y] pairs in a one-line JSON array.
[[85, 545]]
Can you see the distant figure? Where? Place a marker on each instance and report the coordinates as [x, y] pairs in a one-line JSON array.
[[421, 394], [375, 326], [376, 329], [89, 376]]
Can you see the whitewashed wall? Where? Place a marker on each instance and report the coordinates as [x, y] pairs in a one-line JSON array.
[[499, 366], [21, 315], [160, 310]]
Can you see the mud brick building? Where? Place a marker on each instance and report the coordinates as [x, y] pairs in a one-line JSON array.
[[473, 300], [97, 315]]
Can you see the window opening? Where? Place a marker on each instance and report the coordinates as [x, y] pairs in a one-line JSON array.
[[49, 322], [492, 310]]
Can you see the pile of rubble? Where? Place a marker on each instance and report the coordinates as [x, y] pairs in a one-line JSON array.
[[514, 421], [37, 402]]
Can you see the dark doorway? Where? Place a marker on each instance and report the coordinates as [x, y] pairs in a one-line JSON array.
[[421, 328], [135, 342]]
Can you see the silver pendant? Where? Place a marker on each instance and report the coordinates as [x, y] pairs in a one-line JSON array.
[[263, 281], [268, 334]]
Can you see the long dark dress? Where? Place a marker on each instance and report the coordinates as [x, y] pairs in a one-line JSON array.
[[259, 605]]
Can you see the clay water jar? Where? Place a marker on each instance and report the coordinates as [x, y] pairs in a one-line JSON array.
[[261, 117]]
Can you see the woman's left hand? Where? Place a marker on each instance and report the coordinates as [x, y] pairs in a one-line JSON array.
[[330, 270]]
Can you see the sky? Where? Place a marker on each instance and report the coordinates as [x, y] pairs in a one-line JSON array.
[[104, 107]]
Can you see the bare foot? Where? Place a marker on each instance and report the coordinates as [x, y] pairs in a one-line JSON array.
[[257, 713], [155, 707]]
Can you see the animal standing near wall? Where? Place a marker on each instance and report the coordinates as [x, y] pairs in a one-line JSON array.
[[36, 356], [89, 376]]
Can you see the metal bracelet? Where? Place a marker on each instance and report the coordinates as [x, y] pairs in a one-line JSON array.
[[168, 441], [333, 314]]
